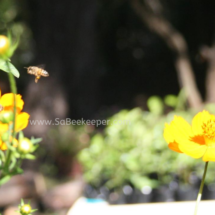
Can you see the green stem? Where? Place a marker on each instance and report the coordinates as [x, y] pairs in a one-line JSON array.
[[201, 189], [14, 91]]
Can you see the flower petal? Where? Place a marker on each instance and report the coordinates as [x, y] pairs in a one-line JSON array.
[[181, 128], [174, 147], [178, 130], [198, 120], [3, 146], [22, 121], [7, 101], [169, 137], [209, 154], [193, 149]]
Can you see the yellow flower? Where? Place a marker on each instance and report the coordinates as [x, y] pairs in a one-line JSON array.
[[3, 146], [6, 101], [7, 104], [25, 209], [196, 140]]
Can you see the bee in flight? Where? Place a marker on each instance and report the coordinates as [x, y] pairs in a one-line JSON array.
[[38, 72]]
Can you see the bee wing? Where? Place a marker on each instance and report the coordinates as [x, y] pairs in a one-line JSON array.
[[42, 66]]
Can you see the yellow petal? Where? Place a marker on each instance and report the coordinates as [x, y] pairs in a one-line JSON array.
[[22, 121], [7, 101], [198, 120], [209, 154], [179, 130], [178, 133], [193, 149], [3, 146], [168, 135], [182, 130]]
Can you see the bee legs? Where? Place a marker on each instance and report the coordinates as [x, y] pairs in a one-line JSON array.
[[37, 78]]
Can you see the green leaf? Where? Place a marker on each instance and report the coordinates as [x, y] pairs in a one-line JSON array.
[[34, 147], [171, 100], [9, 67], [155, 105], [17, 171], [5, 179], [30, 157], [22, 202], [13, 163], [13, 45], [2, 156], [37, 140], [21, 135], [11, 147]]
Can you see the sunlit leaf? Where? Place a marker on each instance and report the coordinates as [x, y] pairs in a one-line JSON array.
[[37, 140], [8, 67], [5, 179]]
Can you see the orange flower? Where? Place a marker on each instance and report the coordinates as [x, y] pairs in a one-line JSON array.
[[196, 140], [7, 104]]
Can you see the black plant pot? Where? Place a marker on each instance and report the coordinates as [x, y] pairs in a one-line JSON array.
[[186, 193]]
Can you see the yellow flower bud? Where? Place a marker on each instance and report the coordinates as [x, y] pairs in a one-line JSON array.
[[25, 146], [4, 45], [5, 137], [6, 117], [25, 209]]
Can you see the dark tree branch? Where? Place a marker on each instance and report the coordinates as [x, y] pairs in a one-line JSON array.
[[177, 43]]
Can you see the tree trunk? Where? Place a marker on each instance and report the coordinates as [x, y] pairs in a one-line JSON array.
[[208, 54]]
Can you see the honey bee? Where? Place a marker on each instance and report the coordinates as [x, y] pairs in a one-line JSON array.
[[38, 72]]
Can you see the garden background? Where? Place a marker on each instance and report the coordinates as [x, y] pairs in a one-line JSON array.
[[140, 61]]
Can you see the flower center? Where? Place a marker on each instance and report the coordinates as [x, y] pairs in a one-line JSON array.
[[209, 131]]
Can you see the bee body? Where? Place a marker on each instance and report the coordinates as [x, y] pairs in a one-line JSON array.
[[44, 73], [38, 72]]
